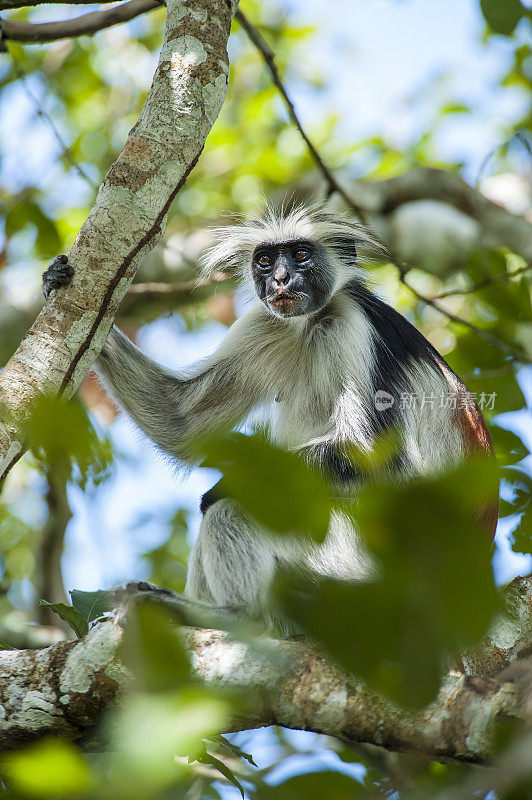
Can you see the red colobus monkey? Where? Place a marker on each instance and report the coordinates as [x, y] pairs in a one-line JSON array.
[[338, 360]]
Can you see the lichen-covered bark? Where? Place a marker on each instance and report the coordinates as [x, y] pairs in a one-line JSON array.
[[65, 687], [128, 216], [289, 684], [61, 689]]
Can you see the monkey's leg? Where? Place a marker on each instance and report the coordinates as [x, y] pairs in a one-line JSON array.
[[232, 564]]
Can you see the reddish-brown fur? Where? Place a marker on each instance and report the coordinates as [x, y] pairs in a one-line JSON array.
[[477, 439]]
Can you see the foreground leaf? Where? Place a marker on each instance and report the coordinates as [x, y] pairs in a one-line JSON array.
[[432, 592], [276, 487], [77, 621]]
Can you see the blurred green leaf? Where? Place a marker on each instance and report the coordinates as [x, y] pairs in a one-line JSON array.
[[150, 730], [168, 561], [509, 448], [315, 786], [502, 15], [30, 213], [152, 650], [223, 769], [297, 498], [520, 484], [50, 769], [432, 562], [60, 433]]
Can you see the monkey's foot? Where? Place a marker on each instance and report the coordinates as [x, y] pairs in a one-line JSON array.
[[185, 610], [59, 273]]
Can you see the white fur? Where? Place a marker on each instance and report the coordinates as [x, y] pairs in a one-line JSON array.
[[235, 245]]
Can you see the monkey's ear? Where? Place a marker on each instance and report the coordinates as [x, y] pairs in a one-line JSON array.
[[344, 247]]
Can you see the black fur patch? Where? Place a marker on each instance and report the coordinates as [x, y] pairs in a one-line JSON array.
[[398, 345], [211, 497], [334, 463], [344, 247]]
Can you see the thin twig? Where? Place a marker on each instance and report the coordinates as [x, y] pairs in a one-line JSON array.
[[187, 287], [505, 348], [482, 284], [86, 24], [269, 59], [42, 113]]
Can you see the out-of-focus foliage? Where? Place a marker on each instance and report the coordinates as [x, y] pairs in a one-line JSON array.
[[431, 561], [433, 589], [168, 562], [297, 497], [503, 17], [62, 438]]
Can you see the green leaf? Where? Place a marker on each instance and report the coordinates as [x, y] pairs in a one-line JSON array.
[[297, 499], [520, 484], [502, 15], [150, 729], [454, 108], [50, 769], [315, 786], [92, 605], [60, 433], [232, 748], [522, 535], [85, 608], [509, 448], [207, 758], [76, 620]]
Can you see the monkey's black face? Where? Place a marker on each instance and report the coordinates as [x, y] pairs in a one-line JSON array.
[[292, 278]]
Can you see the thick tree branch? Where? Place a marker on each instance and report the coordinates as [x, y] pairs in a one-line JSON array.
[[49, 575], [86, 24], [64, 689], [499, 227], [128, 216]]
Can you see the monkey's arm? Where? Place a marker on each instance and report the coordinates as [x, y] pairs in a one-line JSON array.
[[175, 411]]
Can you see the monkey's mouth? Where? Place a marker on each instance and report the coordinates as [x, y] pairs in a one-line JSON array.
[[287, 304]]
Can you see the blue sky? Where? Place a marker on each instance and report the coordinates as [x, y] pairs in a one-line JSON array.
[[390, 63]]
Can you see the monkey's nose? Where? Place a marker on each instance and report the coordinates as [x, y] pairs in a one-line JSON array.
[[281, 276]]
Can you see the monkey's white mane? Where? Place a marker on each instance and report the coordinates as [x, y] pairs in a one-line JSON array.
[[337, 234]]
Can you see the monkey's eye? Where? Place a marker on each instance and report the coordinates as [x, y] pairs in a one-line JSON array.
[[301, 254], [264, 260]]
